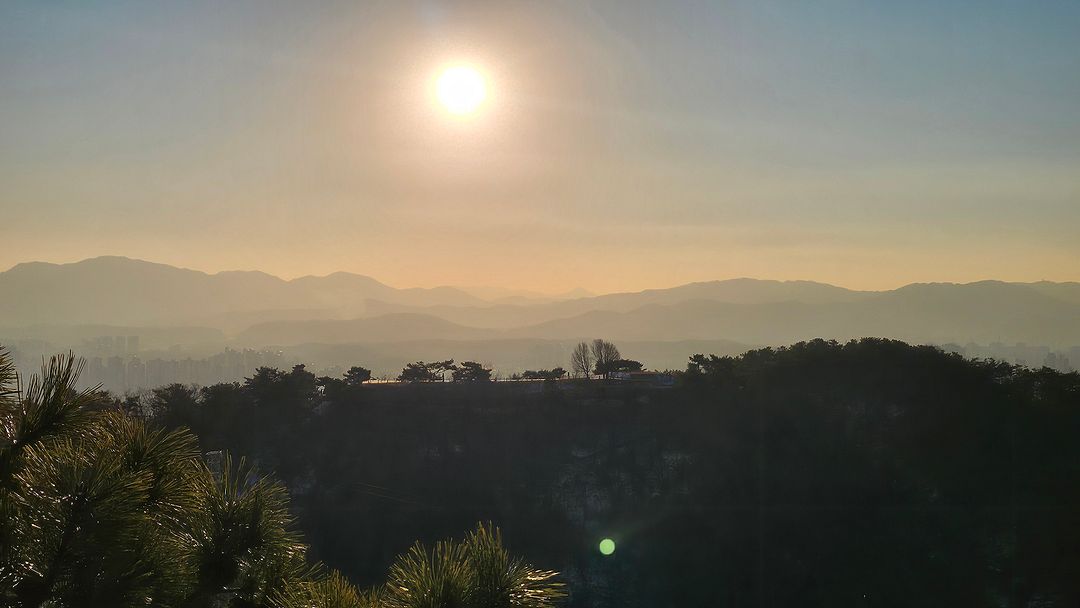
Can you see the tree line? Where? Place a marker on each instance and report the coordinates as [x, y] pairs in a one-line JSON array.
[[817, 474], [102, 508], [466, 371], [598, 358]]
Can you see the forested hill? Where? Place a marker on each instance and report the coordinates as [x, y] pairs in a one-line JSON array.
[[822, 474]]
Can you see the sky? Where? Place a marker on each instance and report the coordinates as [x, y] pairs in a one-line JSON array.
[[622, 144]]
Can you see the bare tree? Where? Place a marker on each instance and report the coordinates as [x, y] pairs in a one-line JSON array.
[[581, 360], [604, 353]]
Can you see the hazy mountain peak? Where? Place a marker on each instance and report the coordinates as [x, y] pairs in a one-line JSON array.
[[575, 293], [342, 279], [109, 262], [244, 273], [122, 291], [338, 274]]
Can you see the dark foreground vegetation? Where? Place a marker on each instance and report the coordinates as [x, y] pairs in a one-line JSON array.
[[99, 509], [872, 473]]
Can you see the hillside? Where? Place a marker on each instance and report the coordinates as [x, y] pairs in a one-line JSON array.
[[844, 470]]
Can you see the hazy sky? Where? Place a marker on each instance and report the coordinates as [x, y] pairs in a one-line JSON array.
[[623, 144]]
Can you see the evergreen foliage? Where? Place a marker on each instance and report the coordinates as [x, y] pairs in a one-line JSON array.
[[100, 508]]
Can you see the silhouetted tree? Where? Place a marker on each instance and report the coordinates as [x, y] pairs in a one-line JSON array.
[[417, 372], [357, 375], [618, 365], [265, 384], [301, 383], [544, 374], [603, 354], [275, 390], [471, 371], [135, 405], [426, 372], [581, 360], [174, 403], [440, 368], [333, 389], [336, 389]]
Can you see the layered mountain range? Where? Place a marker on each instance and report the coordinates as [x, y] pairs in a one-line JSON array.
[[257, 309]]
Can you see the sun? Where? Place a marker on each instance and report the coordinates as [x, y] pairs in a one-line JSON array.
[[461, 89]]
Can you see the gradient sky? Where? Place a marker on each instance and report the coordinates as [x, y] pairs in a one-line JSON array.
[[624, 144]]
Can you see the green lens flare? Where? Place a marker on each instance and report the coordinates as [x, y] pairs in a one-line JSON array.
[[607, 546]]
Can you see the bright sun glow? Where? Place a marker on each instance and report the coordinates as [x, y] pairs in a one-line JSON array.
[[461, 89]]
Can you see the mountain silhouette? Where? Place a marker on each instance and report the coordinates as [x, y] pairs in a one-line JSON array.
[[258, 309], [123, 291]]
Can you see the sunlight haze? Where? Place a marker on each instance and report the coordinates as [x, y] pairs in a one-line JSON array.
[[637, 148], [539, 303]]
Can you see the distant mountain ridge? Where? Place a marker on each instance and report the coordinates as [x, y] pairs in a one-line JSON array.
[[984, 312], [124, 291], [258, 309]]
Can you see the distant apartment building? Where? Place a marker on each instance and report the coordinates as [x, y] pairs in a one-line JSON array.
[[131, 372]]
